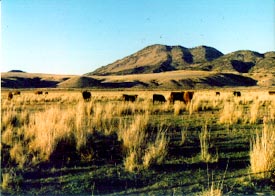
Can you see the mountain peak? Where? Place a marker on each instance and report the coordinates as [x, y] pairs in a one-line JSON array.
[[204, 53]]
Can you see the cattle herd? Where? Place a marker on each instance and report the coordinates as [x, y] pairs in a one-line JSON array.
[[185, 96]]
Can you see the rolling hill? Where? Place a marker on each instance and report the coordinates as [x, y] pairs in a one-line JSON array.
[[160, 58], [243, 61], [165, 80], [20, 79]]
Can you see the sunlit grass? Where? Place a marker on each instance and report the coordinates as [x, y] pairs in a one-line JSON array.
[[34, 128]]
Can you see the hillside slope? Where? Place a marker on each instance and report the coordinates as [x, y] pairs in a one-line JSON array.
[[243, 61], [166, 80], [31, 80], [159, 58]]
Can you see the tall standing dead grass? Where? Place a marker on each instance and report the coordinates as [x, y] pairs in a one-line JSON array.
[[204, 137], [203, 102], [179, 108], [231, 113], [47, 129], [141, 153], [134, 140], [34, 137], [262, 152], [156, 150], [254, 112]]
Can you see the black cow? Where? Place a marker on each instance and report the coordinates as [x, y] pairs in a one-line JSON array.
[[218, 93], [176, 96], [38, 92], [158, 98], [86, 95], [131, 98], [271, 92], [17, 93], [237, 93]]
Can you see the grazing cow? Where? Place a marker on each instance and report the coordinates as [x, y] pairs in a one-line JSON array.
[[86, 95], [176, 96], [131, 98], [188, 96], [271, 92], [218, 93], [185, 97], [158, 98], [237, 93], [16, 93], [38, 92], [10, 96]]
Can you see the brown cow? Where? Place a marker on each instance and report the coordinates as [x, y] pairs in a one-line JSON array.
[[158, 98], [271, 92], [10, 96], [188, 96], [131, 98], [218, 93], [185, 97]]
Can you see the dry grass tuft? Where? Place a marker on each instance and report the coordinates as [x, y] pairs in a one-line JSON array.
[[6, 181], [205, 144], [133, 135], [131, 162], [213, 191], [156, 151], [254, 112], [262, 152], [46, 130], [141, 152], [179, 107], [134, 139], [231, 113], [10, 181]]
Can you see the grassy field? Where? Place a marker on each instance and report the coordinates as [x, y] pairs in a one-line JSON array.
[[57, 143]]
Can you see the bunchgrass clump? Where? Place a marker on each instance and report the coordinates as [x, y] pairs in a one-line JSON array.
[[156, 151], [204, 137], [262, 152], [141, 152], [231, 113]]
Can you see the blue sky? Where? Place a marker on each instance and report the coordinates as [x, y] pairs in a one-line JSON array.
[[78, 36]]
